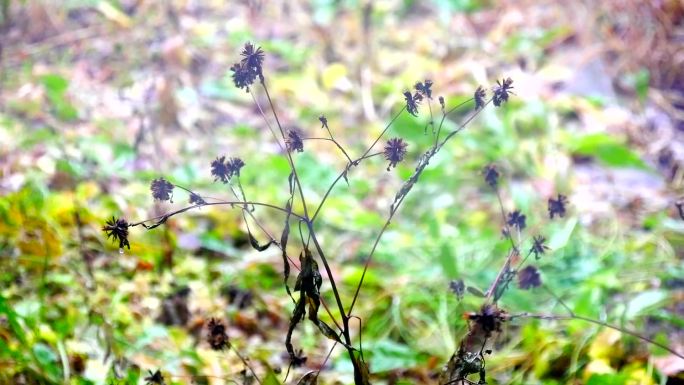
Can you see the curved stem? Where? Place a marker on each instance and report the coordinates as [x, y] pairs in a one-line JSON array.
[[408, 186], [289, 155], [162, 218], [244, 361], [384, 131], [603, 324], [342, 174]]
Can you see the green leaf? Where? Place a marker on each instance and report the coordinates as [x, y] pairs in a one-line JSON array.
[[448, 262], [644, 301], [55, 83], [560, 239], [607, 149], [389, 355], [607, 379], [44, 355]]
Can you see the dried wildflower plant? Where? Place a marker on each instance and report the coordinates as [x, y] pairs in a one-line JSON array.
[[314, 267]]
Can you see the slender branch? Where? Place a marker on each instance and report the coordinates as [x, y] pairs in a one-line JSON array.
[[342, 174], [338, 299], [244, 361], [336, 142], [408, 186], [600, 323], [268, 124], [289, 155], [384, 131], [444, 115], [162, 218]]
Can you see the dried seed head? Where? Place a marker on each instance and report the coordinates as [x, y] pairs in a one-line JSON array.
[[395, 150], [294, 141], [529, 278], [502, 91], [253, 58], [458, 288], [323, 120], [220, 170], [557, 206], [479, 96], [516, 219], [196, 199], [243, 76], [155, 378], [489, 319], [538, 247], [298, 358], [412, 101], [217, 337], [234, 165], [249, 68], [491, 175], [117, 229], [425, 88], [162, 190], [442, 103]]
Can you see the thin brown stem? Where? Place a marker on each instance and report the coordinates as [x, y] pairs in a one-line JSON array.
[[407, 187], [342, 174], [289, 155], [383, 131], [162, 218], [603, 324], [337, 143], [244, 361]]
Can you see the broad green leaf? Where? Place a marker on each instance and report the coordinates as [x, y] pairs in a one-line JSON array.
[[643, 301], [389, 355], [560, 239], [448, 261], [607, 150], [55, 83]]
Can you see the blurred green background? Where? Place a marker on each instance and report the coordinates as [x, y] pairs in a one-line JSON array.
[[97, 98]]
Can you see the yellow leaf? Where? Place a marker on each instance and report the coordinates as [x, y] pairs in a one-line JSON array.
[[112, 13], [606, 345], [333, 75], [598, 366]]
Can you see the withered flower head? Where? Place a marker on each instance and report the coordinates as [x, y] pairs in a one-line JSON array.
[[162, 189], [225, 169], [220, 170], [155, 378], [489, 318], [442, 103], [412, 101], [491, 175], [243, 76], [234, 165], [323, 120], [294, 141], [217, 337], [458, 288], [252, 58], [249, 68], [117, 229], [538, 247], [529, 278], [395, 149], [479, 96], [679, 204], [502, 91], [196, 199], [557, 206], [425, 89], [298, 358], [516, 219]]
